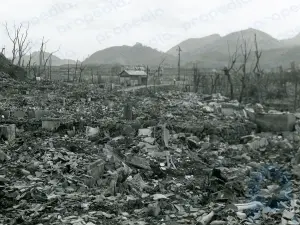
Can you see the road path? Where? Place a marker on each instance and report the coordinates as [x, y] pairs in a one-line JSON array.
[[142, 87]]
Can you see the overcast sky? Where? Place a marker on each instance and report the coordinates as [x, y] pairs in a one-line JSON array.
[[81, 27]]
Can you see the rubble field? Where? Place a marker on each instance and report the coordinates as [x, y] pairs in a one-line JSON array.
[[76, 154]]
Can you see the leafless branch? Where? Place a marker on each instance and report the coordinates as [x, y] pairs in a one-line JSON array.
[[257, 69], [81, 69], [14, 39], [23, 45], [232, 61], [233, 57], [246, 52], [42, 60]]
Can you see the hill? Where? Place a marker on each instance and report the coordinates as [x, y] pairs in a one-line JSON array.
[[130, 55], [220, 46], [191, 44], [265, 40], [291, 42], [215, 54], [56, 61]]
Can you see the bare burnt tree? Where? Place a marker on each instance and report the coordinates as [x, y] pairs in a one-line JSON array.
[[28, 66], [41, 57], [246, 52], [231, 63], [257, 71], [75, 72], [214, 77], [42, 60], [14, 39], [197, 78], [35, 70], [23, 45], [258, 53], [295, 77], [158, 71], [81, 69], [20, 42], [282, 83]]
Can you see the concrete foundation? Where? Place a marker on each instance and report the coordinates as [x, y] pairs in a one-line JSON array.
[[50, 124], [38, 114], [267, 122]]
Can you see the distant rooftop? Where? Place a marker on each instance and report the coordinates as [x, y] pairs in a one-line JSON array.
[[135, 72]]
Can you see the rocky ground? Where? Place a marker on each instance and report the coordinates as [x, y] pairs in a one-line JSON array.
[[81, 155]]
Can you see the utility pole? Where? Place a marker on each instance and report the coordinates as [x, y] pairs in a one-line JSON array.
[[147, 76], [295, 76], [179, 50], [68, 71]]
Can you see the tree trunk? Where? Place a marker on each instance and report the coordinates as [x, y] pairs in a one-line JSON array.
[[242, 90], [230, 86]]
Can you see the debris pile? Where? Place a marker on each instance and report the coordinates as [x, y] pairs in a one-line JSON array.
[[78, 155]]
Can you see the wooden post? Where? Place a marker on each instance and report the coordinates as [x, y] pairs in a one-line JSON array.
[[68, 71], [147, 77], [50, 67], [295, 76], [179, 50], [128, 111]]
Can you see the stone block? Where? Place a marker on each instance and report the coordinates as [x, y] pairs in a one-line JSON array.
[[8, 131], [139, 162], [228, 111], [19, 114], [50, 124]]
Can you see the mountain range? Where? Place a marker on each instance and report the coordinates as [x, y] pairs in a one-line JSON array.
[[56, 61], [211, 51]]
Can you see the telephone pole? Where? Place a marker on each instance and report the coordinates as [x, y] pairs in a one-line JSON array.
[[147, 76], [179, 50]]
